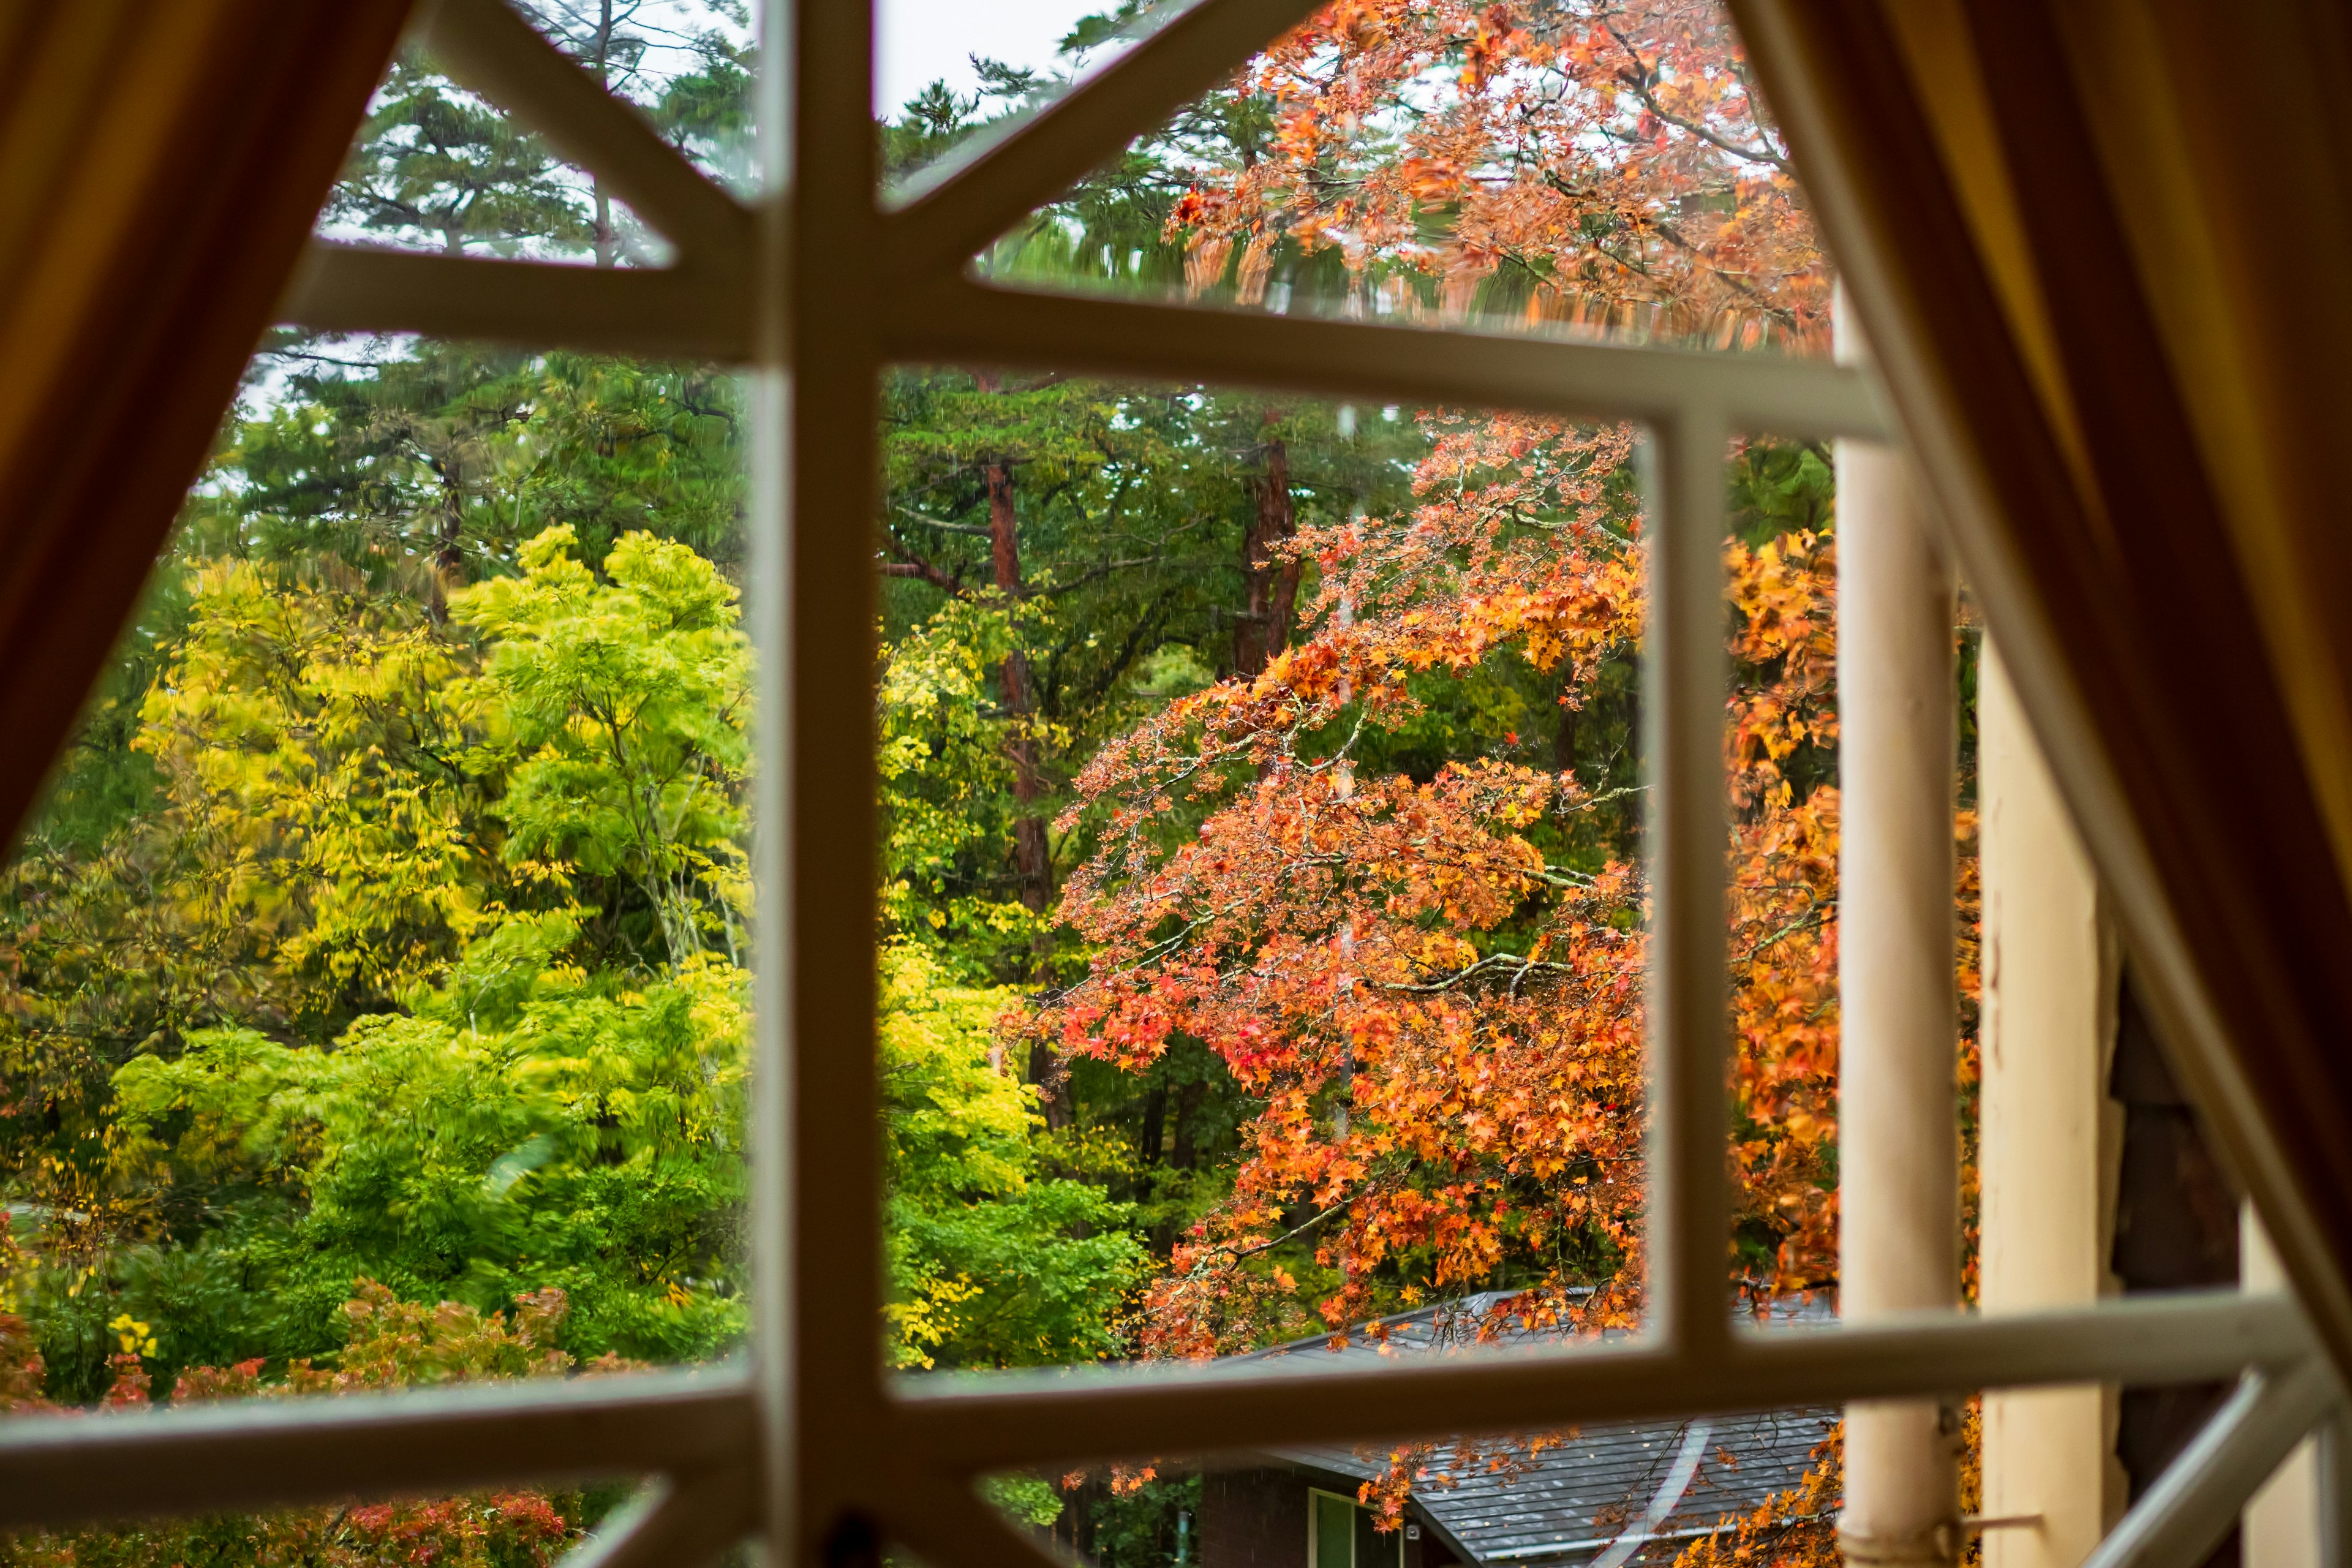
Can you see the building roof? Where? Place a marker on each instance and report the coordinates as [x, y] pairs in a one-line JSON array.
[[1607, 1494]]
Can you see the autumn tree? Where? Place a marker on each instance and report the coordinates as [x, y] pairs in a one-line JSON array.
[[1391, 878], [1590, 164]]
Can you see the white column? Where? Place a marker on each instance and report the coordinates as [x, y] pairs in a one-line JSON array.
[[1898, 1139], [2048, 1138], [2282, 1524]]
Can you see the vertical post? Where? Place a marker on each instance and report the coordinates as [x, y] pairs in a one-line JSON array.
[[2294, 1521], [1688, 1218], [767, 589], [1899, 1126], [815, 1156], [2050, 1137], [2335, 1467]]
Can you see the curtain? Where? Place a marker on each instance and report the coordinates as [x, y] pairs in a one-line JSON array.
[[161, 163], [2100, 249]]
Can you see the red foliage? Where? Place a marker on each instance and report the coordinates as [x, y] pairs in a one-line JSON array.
[[1443, 1023], [1434, 981], [392, 1344], [1606, 159]]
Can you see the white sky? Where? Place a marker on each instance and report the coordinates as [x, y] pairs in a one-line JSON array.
[[917, 42]]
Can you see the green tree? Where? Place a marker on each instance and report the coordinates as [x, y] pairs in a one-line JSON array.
[[992, 1261], [435, 165], [522, 1126], [616, 717]]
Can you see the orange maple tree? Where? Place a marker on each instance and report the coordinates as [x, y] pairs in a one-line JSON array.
[[1599, 163], [1434, 983], [1432, 976]]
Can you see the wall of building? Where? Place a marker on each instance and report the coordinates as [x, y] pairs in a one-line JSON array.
[[1252, 1519], [1258, 1519]]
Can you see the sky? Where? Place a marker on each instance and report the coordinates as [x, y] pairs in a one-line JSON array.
[[917, 42]]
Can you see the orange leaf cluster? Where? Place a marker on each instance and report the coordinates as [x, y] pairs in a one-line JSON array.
[[1606, 159], [1444, 1025]]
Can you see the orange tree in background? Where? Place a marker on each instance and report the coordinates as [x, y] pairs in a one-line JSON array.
[[1591, 162], [1430, 974], [1410, 931]]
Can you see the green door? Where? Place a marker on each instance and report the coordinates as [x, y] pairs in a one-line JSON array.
[[1335, 1531]]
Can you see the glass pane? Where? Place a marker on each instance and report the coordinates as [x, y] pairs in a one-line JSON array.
[[1781, 748], [1561, 168], [376, 987], [1693, 1492], [937, 54], [437, 167], [1262, 948]]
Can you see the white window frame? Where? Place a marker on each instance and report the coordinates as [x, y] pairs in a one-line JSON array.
[[806, 1443]]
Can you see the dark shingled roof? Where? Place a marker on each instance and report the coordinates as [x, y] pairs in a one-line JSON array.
[[1607, 1495]]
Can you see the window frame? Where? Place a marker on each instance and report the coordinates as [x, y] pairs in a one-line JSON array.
[[806, 1442]]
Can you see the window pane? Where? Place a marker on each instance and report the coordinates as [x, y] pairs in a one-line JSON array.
[[1559, 167], [437, 167], [936, 53], [375, 1003], [1261, 955], [1693, 1491]]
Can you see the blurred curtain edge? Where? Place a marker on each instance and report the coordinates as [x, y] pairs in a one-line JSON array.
[[2098, 247], [162, 162]]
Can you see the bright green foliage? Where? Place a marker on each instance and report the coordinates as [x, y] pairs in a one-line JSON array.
[[616, 713], [522, 1127], [356, 809], [442, 896], [310, 741], [946, 787], [991, 1263], [1024, 1498]]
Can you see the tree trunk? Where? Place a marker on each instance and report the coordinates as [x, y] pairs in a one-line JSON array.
[[1272, 586], [1563, 741], [449, 556], [604, 238], [1033, 856], [1155, 1125], [1033, 859], [1186, 1156]]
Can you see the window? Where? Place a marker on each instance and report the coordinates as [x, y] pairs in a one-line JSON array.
[[816, 287], [1342, 1533]]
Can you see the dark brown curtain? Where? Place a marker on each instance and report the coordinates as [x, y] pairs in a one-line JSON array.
[[2100, 246], [161, 163]]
